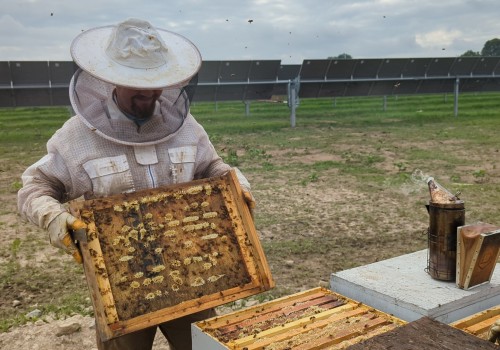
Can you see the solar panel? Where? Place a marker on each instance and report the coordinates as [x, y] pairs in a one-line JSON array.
[[209, 72], [204, 93], [258, 92], [367, 68], [6, 98], [341, 69], [32, 97], [314, 69], [485, 66], [264, 70], [5, 78], [416, 67], [384, 87], [436, 86], [496, 71], [234, 71], [406, 87], [440, 66], [310, 90], [59, 96], [392, 68], [331, 89], [356, 88], [480, 85], [286, 72], [30, 73], [235, 92], [463, 66], [60, 73]]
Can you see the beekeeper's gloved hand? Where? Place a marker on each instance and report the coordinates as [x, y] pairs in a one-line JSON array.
[[60, 236], [245, 187], [249, 200]]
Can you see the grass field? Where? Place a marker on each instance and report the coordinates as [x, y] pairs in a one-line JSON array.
[[344, 188]]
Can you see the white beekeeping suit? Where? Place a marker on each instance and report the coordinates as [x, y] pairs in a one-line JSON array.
[[100, 152]]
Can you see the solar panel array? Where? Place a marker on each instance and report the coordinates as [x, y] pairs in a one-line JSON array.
[[365, 77], [42, 83]]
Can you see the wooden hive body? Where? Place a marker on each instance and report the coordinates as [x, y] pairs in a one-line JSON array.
[[159, 254], [314, 319]]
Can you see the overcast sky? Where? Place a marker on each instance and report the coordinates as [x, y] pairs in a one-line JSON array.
[[289, 30]]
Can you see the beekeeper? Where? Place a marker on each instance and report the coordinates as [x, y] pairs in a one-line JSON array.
[[132, 130]]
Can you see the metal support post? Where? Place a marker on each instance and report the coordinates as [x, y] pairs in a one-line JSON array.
[[457, 84], [292, 106], [247, 108], [293, 98]]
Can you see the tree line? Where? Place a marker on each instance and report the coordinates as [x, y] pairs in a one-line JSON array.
[[490, 48]]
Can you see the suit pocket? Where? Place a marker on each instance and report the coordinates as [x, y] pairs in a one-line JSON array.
[[182, 161], [109, 175]]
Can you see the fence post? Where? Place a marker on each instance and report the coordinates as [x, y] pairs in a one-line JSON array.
[[293, 98]]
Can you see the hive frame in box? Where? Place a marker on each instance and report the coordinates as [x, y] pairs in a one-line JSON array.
[[223, 262], [314, 319], [479, 323]]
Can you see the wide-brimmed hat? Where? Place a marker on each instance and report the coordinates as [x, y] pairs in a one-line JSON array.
[[135, 54]]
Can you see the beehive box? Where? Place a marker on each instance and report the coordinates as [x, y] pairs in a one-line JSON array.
[[479, 323], [159, 254], [314, 319]]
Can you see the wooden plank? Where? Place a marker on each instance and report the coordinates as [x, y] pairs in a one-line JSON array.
[[482, 326], [163, 253], [478, 317]]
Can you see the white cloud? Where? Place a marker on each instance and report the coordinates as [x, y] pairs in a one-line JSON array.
[[437, 38]]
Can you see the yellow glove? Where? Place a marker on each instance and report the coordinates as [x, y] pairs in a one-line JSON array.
[[249, 200], [494, 332], [245, 187], [60, 237]]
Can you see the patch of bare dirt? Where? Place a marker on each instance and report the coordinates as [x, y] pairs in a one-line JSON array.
[[73, 333], [310, 227]]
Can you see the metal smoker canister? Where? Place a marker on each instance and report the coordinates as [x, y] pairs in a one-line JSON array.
[[444, 219]]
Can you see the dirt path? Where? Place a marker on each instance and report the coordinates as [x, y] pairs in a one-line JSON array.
[[74, 333]]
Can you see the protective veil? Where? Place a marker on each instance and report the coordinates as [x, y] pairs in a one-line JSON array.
[[100, 152]]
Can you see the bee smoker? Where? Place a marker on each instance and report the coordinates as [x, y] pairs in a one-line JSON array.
[[446, 214]]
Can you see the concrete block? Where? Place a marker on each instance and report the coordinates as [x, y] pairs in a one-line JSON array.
[[401, 287]]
